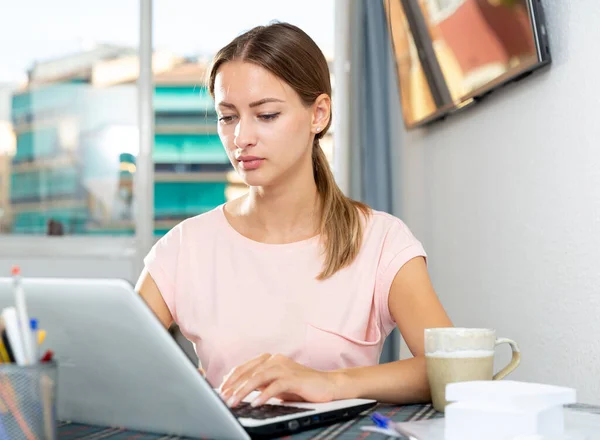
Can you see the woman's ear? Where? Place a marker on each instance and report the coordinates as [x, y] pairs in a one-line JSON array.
[[321, 113]]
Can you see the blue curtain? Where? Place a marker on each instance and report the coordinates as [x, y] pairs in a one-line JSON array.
[[374, 113]]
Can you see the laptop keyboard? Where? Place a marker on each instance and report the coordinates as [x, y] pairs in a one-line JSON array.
[[266, 411]]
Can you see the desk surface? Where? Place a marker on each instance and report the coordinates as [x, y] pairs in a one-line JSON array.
[[346, 430]]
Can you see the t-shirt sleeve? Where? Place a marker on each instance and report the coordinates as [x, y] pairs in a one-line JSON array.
[[161, 263], [399, 247]]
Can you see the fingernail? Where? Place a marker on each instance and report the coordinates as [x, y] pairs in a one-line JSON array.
[[231, 401], [255, 403]]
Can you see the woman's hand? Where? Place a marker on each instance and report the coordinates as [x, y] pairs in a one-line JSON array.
[[280, 377]]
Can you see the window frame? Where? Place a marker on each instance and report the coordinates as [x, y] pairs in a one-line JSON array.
[[136, 246]]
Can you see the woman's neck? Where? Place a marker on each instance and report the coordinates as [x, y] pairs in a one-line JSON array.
[[283, 212]]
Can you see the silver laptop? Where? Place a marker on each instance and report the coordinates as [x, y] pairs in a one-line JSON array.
[[118, 366]]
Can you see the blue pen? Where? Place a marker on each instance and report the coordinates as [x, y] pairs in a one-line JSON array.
[[33, 325], [383, 425], [380, 420]]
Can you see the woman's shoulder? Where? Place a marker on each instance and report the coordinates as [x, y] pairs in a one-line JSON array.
[[381, 227], [212, 217], [383, 221], [203, 224]]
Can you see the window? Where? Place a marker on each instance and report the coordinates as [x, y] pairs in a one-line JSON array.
[[68, 118]]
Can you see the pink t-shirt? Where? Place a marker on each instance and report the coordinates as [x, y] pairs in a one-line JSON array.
[[235, 298]]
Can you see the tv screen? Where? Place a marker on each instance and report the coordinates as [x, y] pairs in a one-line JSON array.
[[452, 53]]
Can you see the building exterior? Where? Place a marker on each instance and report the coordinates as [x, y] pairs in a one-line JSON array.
[[7, 151], [192, 171], [50, 115]]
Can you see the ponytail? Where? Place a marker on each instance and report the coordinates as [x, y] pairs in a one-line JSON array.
[[341, 226]]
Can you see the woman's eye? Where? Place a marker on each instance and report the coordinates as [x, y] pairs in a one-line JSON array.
[[226, 119], [269, 116]]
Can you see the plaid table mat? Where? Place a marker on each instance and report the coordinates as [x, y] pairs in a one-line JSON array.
[[344, 430]]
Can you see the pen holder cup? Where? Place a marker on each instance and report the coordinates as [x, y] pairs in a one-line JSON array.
[[28, 401]]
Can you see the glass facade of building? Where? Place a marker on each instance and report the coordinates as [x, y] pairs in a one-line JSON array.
[[74, 164]]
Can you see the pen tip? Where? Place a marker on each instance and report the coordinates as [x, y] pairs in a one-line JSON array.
[[16, 270]]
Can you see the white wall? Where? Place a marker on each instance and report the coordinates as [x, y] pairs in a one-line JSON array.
[[506, 199]]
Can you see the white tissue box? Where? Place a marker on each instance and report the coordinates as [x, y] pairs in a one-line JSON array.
[[466, 421], [509, 392], [502, 410]]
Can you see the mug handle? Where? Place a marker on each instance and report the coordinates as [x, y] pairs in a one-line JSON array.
[[514, 362]]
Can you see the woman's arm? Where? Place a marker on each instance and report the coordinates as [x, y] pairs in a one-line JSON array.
[[150, 293], [148, 290], [415, 306]]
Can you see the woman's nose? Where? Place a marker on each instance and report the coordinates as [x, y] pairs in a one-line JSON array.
[[244, 134]]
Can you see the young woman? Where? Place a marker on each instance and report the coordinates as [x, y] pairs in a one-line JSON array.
[[292, 288]]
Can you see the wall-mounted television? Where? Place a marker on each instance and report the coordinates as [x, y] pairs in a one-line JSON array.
[[452, 53]]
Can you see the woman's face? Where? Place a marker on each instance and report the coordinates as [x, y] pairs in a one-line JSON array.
[[264, 126]]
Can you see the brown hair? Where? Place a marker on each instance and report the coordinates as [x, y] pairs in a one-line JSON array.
[[290, 54]]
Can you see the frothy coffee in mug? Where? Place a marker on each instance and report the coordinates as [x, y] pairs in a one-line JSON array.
[[460, 355], [444, 368]]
